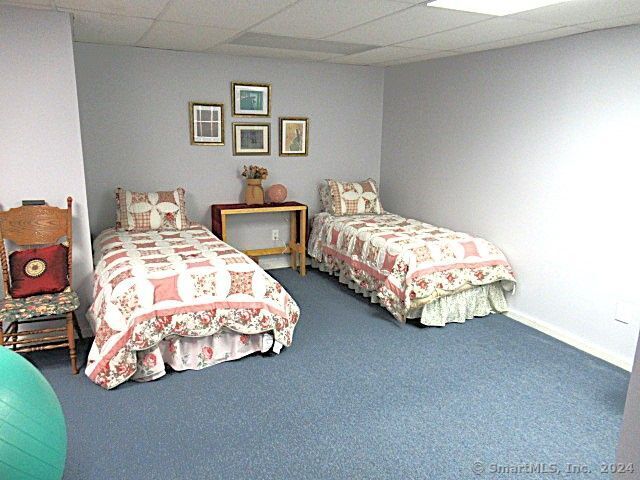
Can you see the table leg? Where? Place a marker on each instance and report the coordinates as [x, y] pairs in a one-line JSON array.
[[293, 246], [303, 242], [223, 226]]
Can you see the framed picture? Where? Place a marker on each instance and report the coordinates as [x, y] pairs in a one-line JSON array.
[[294, 136], [251, 99], [251, 139], [207, 123]]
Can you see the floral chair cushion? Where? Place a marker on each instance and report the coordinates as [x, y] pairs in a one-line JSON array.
[[16, 309]]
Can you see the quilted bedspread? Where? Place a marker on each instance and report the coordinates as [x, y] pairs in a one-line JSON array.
[[407, 263], [150, 285]]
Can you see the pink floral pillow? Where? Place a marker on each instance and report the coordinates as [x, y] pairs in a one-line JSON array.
[[325, 196], [354, 198], [143, 211]]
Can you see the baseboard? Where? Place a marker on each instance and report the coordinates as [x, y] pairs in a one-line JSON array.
[[274, 262], [571, 339]]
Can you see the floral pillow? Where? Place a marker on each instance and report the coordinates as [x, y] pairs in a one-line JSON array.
[[325, 196], [143, 211], [353, 198]]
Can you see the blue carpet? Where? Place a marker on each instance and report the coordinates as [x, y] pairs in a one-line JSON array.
[[356, 396]]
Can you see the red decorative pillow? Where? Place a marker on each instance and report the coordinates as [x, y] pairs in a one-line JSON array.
[[38, 271]]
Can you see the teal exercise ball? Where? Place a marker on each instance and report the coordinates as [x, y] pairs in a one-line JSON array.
[[33, 434]]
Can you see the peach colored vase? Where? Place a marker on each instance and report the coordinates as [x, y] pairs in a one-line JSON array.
[[254, 194]]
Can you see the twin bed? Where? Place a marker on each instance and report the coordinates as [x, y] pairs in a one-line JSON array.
[[178, 296], [413, 269], [168, 292]]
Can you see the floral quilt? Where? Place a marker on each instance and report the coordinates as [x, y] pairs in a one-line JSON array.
[[151, 285], [407, 263]]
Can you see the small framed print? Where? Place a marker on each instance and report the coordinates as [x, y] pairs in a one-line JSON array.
[[207, 123], [251, 139], [294, 136], [251, 99]]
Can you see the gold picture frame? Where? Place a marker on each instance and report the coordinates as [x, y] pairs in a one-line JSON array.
[[206, 123], [250, 99], [252, 143], [294, 136]]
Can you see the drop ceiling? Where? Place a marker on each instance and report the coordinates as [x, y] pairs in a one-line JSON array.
[[358, 32]]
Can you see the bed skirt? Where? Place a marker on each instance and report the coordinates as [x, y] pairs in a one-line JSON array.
[[477, 301], [195, 353]]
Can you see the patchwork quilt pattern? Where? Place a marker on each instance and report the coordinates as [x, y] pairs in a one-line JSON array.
[[150, 285], [407, 263], [142, 211], [351, 198]]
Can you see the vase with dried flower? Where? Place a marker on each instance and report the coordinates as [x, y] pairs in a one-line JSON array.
[[255, 174]]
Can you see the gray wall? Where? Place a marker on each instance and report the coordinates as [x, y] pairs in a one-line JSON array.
[[134, 116], [535, 148], [40, 146], [629, 447]]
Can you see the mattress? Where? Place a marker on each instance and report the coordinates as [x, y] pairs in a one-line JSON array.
[[151, 287]]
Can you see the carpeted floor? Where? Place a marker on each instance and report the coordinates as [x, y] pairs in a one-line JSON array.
[[356, 396]]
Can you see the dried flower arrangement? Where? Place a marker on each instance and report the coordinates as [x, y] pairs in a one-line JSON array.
[[255, 171]]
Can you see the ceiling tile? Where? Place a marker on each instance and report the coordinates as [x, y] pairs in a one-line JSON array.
[[612, 22], [238, 14], [410, 30], [127, 8], [179, 36], [378, 55], [244, 50], [581, 11], [419, 58], [415, 22], [534, 37], [488, 31], [110, 29], [321, 18]]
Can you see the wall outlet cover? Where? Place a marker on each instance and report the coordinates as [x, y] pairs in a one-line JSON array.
[[628, 313]]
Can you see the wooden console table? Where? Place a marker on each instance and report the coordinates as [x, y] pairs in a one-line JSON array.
[[297, 228]]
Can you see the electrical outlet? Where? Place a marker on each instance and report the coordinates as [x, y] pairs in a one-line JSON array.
[[275, 235], [628, 313]]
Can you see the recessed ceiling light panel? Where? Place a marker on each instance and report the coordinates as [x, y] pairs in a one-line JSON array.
[[251, 39], [493, 7]]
